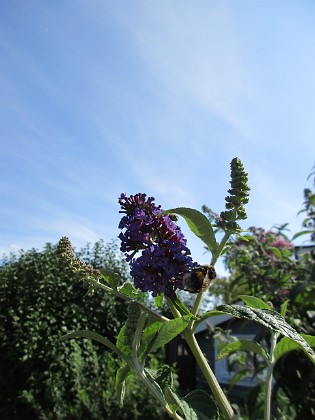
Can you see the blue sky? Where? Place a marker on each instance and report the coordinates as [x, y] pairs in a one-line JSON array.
[[103, 97]]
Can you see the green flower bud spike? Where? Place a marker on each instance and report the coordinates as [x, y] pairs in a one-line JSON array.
[[238, 197], [134, 312], [78, 267]]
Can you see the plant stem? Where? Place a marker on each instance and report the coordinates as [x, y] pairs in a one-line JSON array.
[[220, 248], [157, 393], [98, 285], [214, 385], [267, 405]]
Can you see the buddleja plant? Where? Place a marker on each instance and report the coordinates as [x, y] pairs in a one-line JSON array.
[[161, 264]]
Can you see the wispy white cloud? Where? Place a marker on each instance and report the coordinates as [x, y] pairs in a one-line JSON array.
[[195, 52]]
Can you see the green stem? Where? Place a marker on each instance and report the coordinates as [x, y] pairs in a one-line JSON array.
[[98, 285], [174, 310], [158, 394], [220, 248], [214, 385], [271, 362], [214, 259]]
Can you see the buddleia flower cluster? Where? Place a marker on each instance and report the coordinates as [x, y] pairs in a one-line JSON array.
[[234, 203], [154, 245]]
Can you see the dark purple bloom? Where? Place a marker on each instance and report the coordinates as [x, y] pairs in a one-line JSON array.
[[160, 267], [164, 256]]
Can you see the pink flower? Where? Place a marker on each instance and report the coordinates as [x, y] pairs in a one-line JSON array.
[[282, 243]]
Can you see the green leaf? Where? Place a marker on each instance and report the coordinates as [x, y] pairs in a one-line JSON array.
[[112, 278], [287, 344], [269, 319], [284, 306], [254, 302], [121, 340], [154, 382], [96, 337], [202, 404], [198, 224], [304, 232], [173, 399], [239, 375], [275, 251], [180, 306], [149, 333], [158, 300], [129, 290], [121, 393], [242, 345], [169, 330], [197, 405], [164, 377], [121, 375], [208, 315]]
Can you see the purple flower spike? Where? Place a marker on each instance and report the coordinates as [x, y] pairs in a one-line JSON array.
[[164, 256]]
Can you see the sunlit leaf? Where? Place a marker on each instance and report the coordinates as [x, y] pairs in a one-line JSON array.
[[129, 290], [169, 330], [158, 300], [254, 302], [242, 345], [112, 278], [149, 335], [198, 224], [287, 344], [120, 342], [284, 306], [269, 319]]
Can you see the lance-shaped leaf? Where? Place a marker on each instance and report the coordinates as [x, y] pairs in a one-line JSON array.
[[169, 330], [96, 337], [304, 232], [197, 405], [159, 300], [112, 278], [287, 344], [284, 306], [269, 319], [129, 290], [164, 377], [121, 341], [149, 335], [242, 345], [239, 375], [121, 376], [180, 306], [198, 224], [254, 302], [202, 404]]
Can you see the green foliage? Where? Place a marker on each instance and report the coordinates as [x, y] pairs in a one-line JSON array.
[[199, 225], [43, 377], [268, 266]]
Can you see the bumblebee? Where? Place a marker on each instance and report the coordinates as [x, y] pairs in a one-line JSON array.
[[199, 278]]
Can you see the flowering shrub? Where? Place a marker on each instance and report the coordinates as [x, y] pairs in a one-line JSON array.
[[160, 264]]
